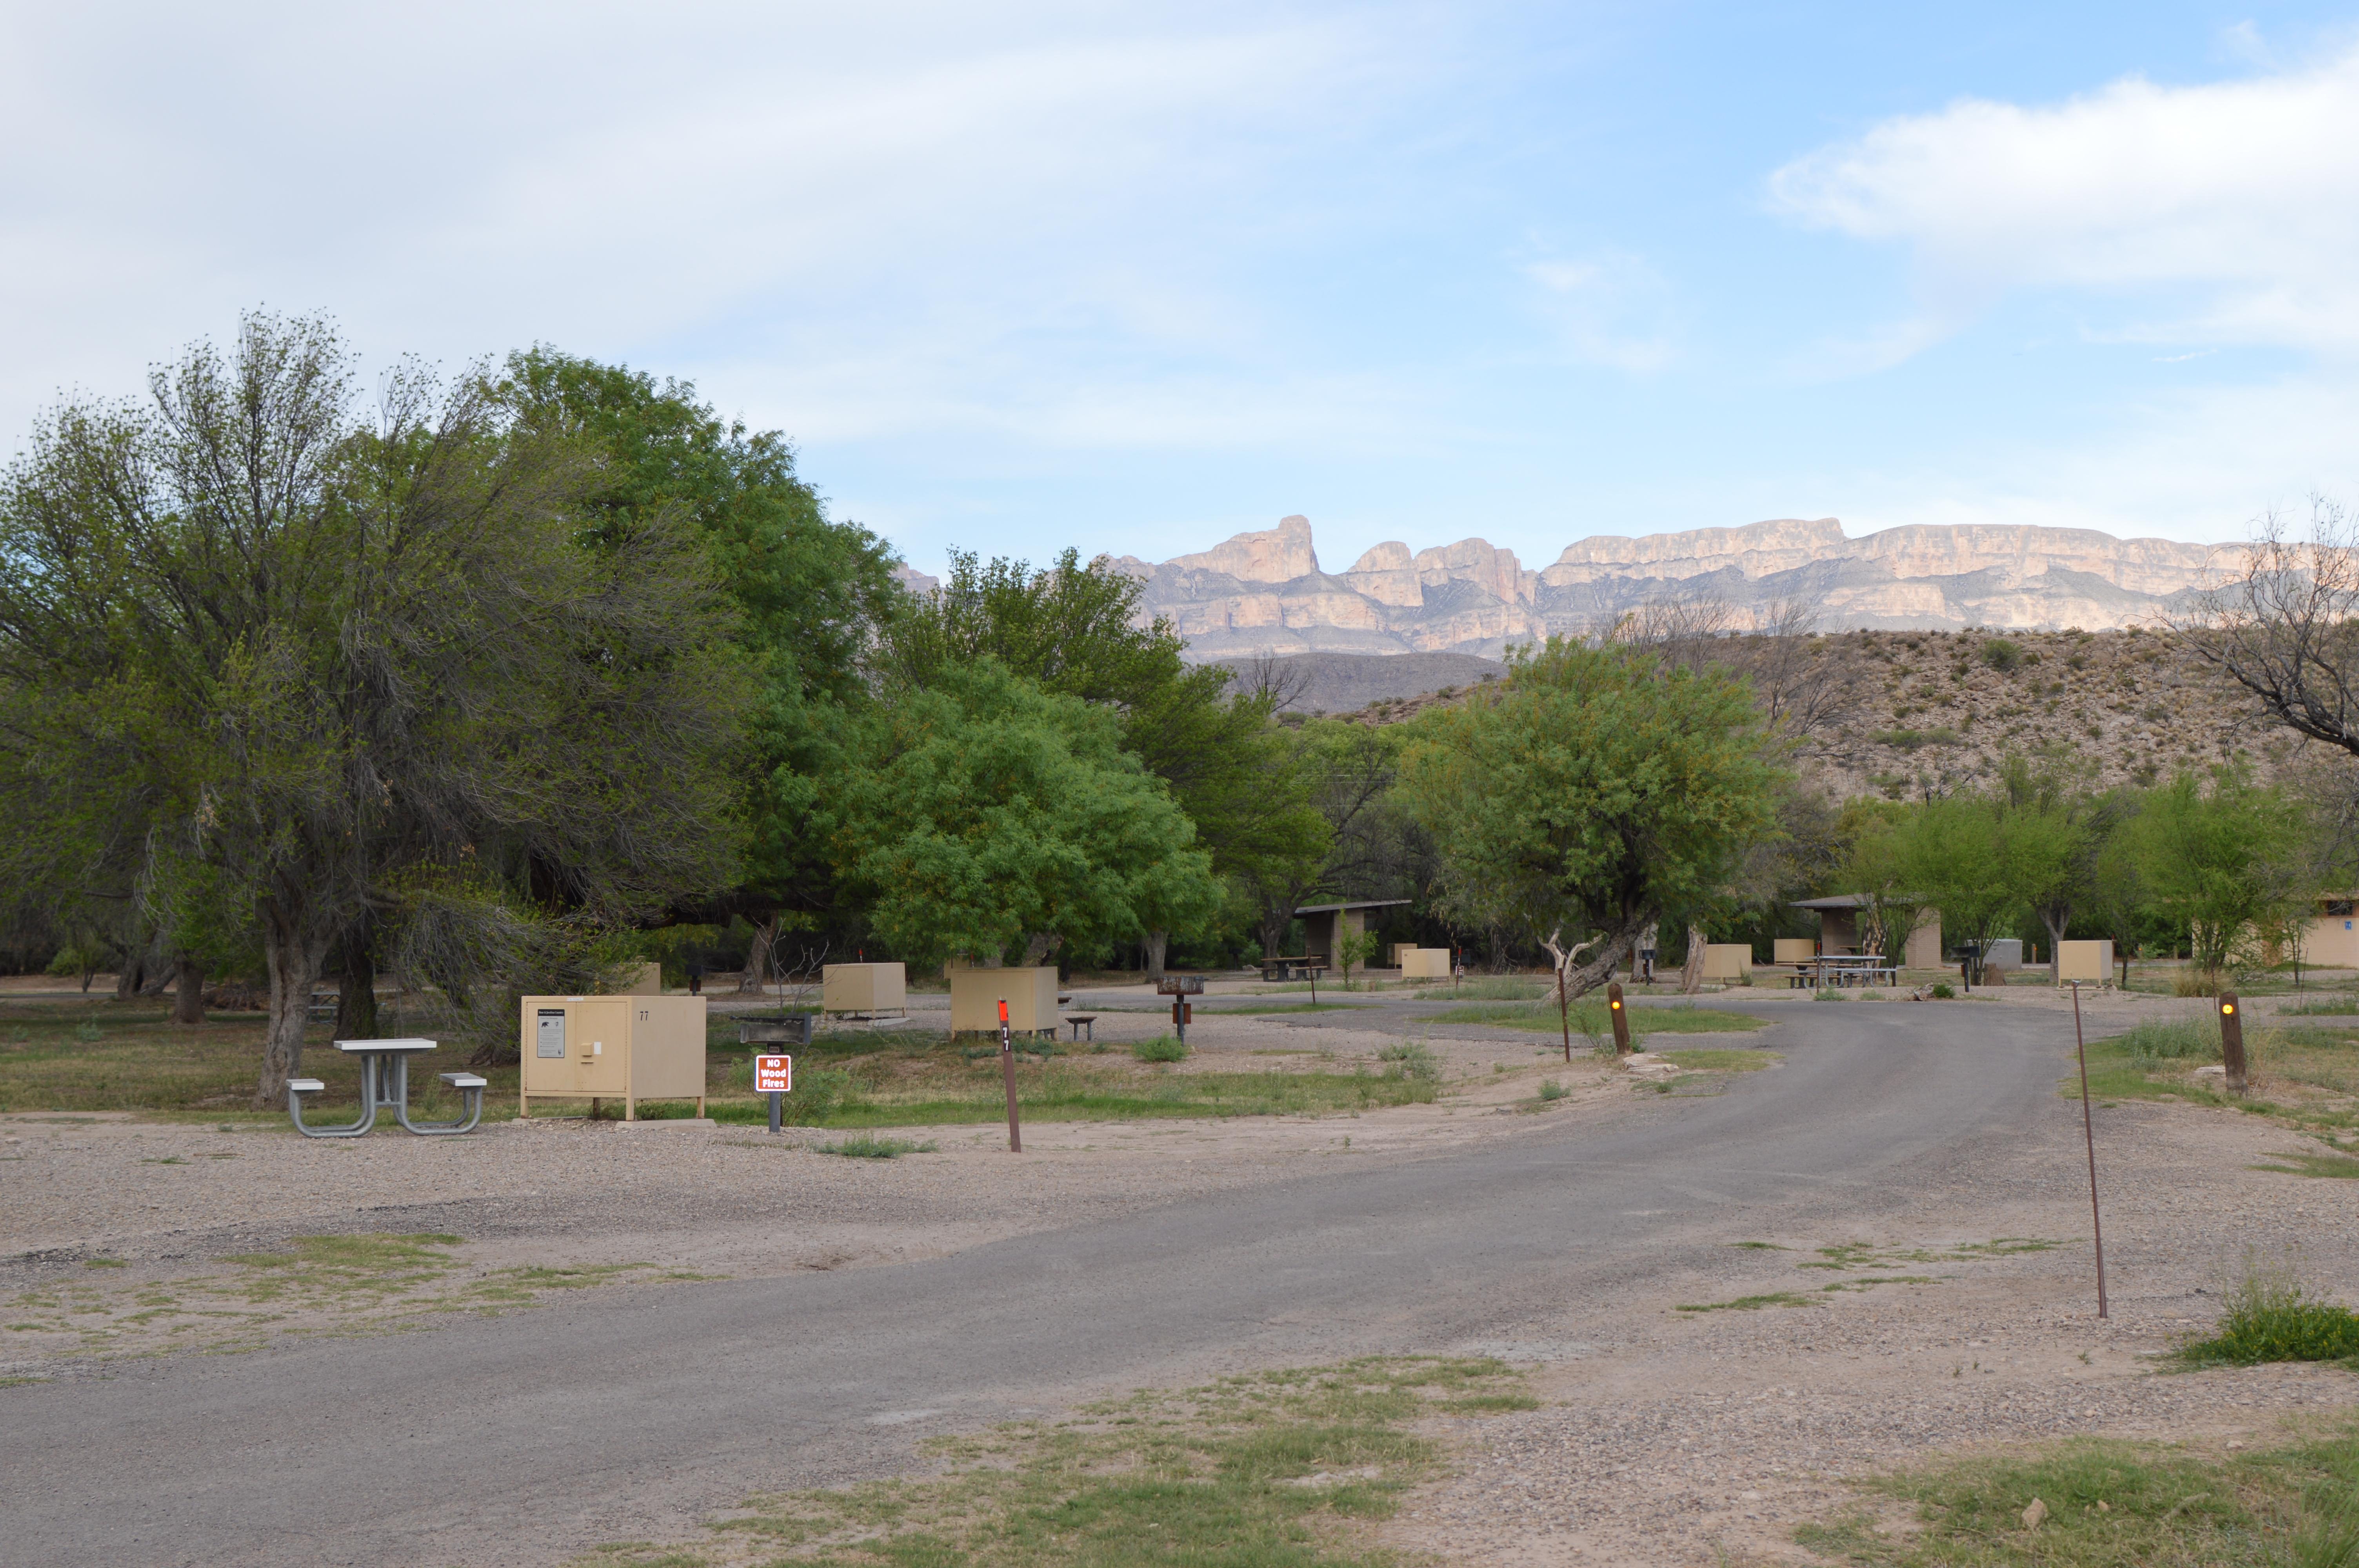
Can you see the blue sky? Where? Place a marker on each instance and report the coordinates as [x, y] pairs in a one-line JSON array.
[[1136, 278]]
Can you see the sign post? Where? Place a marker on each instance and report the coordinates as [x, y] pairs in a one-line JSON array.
[[1179, 987], [1007, 1067], [2232, 1040], [2089, 1130], [1620, 1017], [774, 1077]]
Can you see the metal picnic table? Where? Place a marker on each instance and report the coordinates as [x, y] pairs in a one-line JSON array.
[[1837, 970], [385, 1081]]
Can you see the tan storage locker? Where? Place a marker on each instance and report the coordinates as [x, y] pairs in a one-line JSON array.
[[1031, 1001], [1425, 963], [870, 988], [1727, 961], [612, 1047], [2084, 961], [1795, 949]]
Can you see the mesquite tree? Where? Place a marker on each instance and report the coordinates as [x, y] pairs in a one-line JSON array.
[[1596, 786], [323, 658]]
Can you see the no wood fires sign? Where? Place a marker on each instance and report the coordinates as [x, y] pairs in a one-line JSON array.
[[774, 1075]]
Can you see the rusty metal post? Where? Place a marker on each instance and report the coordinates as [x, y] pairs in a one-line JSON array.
[[1621, 1016], [1007, 1067], [2232, 1040], [2088, 1131]]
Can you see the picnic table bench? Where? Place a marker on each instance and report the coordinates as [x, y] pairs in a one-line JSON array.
[[1302, 969], [384, 1084]]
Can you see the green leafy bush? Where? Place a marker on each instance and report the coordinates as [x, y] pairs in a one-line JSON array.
[[1552, 1089], [1943, 991], [1162, 1048], [2271, 1317], [2001, 655]]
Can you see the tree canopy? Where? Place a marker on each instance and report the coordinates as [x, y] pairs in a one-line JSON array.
[[1595, 788]]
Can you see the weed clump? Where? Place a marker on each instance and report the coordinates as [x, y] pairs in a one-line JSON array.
[[2172, 1040], [1162, 1048], [1552, 1089], [2272, 1317], [1411, 1060], [868, 1146]]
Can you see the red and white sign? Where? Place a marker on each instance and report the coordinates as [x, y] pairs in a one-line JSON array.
[[774, 1075]]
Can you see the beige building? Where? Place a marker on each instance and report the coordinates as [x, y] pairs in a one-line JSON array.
[[1324, 924], [2330, 941]]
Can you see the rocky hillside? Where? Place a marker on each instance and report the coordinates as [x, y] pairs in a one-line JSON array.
[[1264, 592], [1929, 711]]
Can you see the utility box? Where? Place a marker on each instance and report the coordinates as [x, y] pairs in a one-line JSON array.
[[647, 981], [1795, 949], [869, 989], [612, 1047], [1424, 963], [2085, 961], [1031, 1001], [1727, 961]]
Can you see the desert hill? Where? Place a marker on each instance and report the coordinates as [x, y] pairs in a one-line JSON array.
[[1265, 592], [1911, 713]]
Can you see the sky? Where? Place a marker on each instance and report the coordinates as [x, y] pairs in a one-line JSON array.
[[1133, 278]]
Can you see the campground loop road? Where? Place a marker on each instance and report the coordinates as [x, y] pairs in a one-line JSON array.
[[513, 1439]]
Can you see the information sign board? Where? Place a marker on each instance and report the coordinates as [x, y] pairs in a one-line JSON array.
[[774, 1075], [1181, 984]]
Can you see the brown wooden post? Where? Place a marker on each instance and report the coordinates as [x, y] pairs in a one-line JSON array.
[[2232, 1040], [1621, 1016], [1564, 1013], [1007, 1067]]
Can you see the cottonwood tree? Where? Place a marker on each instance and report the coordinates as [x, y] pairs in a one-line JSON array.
[[243, 627], [2226, 864], [1594, 787]]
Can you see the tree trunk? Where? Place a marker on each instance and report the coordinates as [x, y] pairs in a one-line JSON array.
[[294, 961], [356, 989], [1691, 972], [1158, 944], [128, 973], [758, 957], [188, 989], [2055, 947], [1275, 919], [1039, 944]]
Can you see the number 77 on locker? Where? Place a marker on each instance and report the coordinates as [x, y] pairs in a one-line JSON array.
[[774, 1075]]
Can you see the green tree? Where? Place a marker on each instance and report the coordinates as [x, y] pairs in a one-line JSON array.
[[2224, 864], [812, 594], [315, 655], [1595, 787], [1079, 631], [983, 815]]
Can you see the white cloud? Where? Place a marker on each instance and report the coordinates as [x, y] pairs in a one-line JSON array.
[[1611, 309], [2223, 214]]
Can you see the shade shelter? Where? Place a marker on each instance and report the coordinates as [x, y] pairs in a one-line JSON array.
[[1324, 926], [1839, 929]]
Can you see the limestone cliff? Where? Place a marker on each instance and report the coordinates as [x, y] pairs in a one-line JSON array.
[[1265, 592]]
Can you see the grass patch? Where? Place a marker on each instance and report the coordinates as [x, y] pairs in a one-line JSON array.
[[868, 1146], [2300, 1163], [1754, 1304], [2324, 1007], [2108, 1503], [1720, 1061], [1283, 1469], [1491, 988], [1283, 1007], [2271, 1317], [2306, 1074], [1162, 1048], [1109, 1091]]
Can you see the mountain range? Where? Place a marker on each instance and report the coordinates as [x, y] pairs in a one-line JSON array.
[[1264, 592]]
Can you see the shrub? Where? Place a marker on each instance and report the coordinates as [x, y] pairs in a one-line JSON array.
[[2194, 982], [1162, 1048], [2271, 1317], [2001, 655], [1552, 1089], [1830, 994], [1942, 991], [1411, 1060]]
